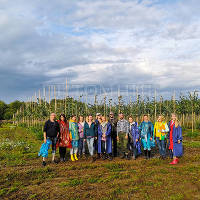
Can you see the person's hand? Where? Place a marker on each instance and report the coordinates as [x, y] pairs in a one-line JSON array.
[[179, 141], [45, 140], [151, 138], [126, 137], [104, 135], [118, 138], [136, 140], [95, 138], [84, 140]]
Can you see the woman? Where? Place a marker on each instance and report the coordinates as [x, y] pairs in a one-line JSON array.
[[81, 146], [64, 140], [73, 128], [104, 139], [160, 131], [147, 135], [90, 135], [175, 139], [133, 138]]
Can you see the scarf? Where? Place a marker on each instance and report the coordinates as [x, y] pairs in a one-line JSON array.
[[172, 123]]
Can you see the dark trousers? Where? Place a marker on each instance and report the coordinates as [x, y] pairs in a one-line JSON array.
[[62, 152], [81, 146], [123, 143], [133, 149], [103, 146], [114, 141]]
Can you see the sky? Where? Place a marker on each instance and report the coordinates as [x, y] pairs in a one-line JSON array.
[[153, 43]]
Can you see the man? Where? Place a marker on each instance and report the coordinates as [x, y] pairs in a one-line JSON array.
[[113, 123], [122, 135], [51, 132]]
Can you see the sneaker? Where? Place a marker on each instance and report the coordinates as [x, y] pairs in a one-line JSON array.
[[55, 161], [44, 163], [110, 158]]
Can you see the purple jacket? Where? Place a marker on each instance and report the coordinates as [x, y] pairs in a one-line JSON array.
[[177, 135], [81, 133], [134, 134]]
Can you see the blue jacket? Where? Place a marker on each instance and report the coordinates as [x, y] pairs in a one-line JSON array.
[[177, 135], [44, 149], [108, 138], [133, 135]]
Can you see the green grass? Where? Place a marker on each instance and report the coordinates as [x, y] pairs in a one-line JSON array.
[[23, 177]]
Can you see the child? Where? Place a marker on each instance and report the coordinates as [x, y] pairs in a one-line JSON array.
[[160, 130], [104, 139], [73, 128], [147, 135], [133, 138], [175, 140]]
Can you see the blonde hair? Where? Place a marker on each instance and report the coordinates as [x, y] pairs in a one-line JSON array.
[[177, 123], [162, 118]]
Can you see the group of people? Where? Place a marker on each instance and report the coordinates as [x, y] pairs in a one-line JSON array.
[[107, 138]]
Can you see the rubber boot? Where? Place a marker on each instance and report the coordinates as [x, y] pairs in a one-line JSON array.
[[75, 156], [174, 162], [72, 158], [145, 153], [149, 154]]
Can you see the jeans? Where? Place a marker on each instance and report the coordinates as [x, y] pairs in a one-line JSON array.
[[161, 146], [81, 146], [53, 140], [90, 143], [73, 150]]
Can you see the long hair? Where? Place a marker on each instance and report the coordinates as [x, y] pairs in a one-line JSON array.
[[63, 115], [177, 122], [79, 117], [162, 118]]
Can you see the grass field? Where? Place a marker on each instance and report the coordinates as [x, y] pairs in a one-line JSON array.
[[23, 177]]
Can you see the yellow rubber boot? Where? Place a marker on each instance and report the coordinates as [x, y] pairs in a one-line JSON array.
[[72, 158], [75, 156]]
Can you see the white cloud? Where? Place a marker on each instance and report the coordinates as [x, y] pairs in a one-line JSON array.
[[97, 41]]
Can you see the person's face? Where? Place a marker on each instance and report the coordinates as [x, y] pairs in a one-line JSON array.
[[160, 119], [130, 119], [111, 116], [52, 117], [121, 116], [81, 118], [62, 118], [145, 118], [99, 117], [103, 119], [90, 118], [173, 117], [74, 118]]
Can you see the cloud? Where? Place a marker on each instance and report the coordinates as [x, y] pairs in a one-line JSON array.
[[98, 42]]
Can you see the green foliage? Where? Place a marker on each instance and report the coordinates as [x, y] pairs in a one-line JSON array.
[[3, 107]]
